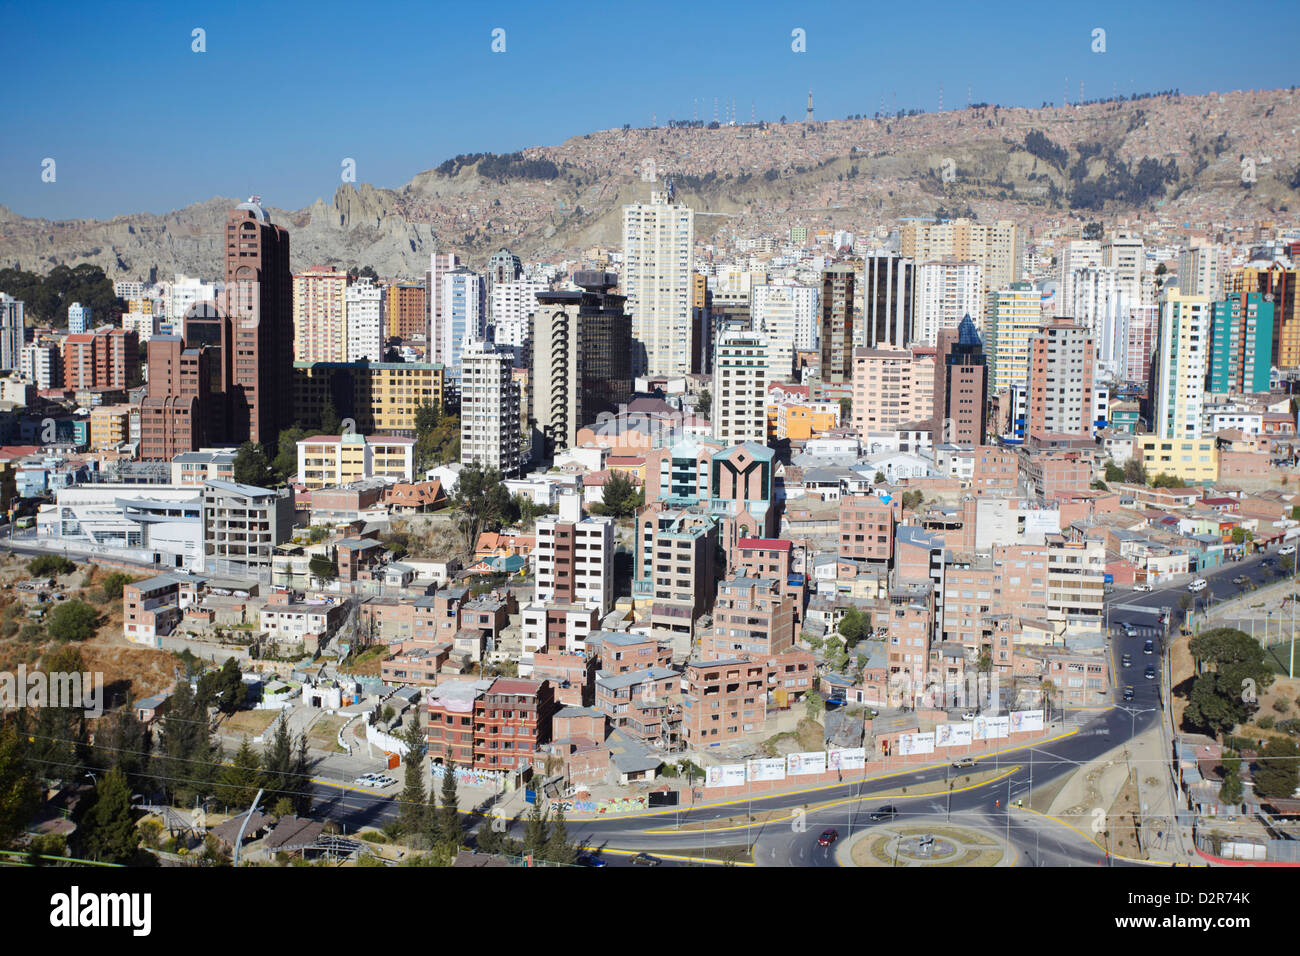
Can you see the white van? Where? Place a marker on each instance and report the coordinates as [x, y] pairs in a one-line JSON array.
[[1197, 585]]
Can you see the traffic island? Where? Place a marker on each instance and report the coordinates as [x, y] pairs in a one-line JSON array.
[[893, 845]]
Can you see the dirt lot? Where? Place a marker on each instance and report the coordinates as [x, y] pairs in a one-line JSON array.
[[250, 722]]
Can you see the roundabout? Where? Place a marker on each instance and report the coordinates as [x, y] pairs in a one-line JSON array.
[[911, 845]]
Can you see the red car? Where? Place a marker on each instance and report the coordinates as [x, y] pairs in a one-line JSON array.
[[827, 838]]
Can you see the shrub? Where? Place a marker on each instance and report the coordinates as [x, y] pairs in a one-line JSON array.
[[1265, 722], [50, 565]]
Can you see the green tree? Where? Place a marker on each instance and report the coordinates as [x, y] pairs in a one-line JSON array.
[[1135, 472], [50, 565], [286, 771], [20, 794], [231, 691], [323, 567], [330, 423], [238, 783], [449, 831], [558, 849], [437, 437], [188, 757], [251, 467], [854, 626], [1214, 706], [114, 583], [814, 705], [705, 405], [107, 832], [413, 801], [1241, 536], [1231, 793], [1277, 768], [1167, 481], [73, 620], [537, 830], [285, 464], [123, 741], [482, 502], [619, 498], [1114, 472]]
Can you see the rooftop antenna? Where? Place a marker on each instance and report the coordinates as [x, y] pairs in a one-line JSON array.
[[940, 97], [715, 109], [809, 117], [1081, 92]]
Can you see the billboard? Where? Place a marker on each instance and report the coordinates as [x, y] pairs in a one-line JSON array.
[[846, 758], [767, 768], [909, 744], [812, 762], [990, 728], [953, 735], [1026, 720], [727, 775]]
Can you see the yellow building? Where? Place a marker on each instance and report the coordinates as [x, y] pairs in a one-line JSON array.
[[320, 315], [800, 421], [327, 461], [110, 426], [379, 397], [1195, 460]]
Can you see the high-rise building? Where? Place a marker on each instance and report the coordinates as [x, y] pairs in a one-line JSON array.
[[174, 415], [1062, 358], [464, 316], [1140, 334], [961, 382], [512, 308], [997, 246], [1198, 270], [787, 316], [13, 332], [365, 321], [42, 365], [1126, 254], [1179, 369], [1099, 301], [1015, 313], [260, 302], [1077, 254], [503, 266], [885, 302], [79, 318], [836, 334], [1239, 344], [406, 311], [581, 358], [575, 557], [105, 358], [658, 247], [319, 310], [489, 409], [439, 265], [946, 292], [891, 388], [1272, 274], [740, 378]]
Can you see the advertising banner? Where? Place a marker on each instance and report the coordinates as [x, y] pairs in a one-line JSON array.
[[728, 775], [1026, 720], [846, 758], [990, 728], [767, 768], [812, 762], [954, 735], [909, 744]]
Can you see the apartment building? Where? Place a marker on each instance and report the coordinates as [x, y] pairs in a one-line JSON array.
[[379, 397], [724, 701], [1062, 359], [575, 557], [752, 617], [320, 315], [867, 525], [489, 724], [242, 525], [489, 410], [658, 248], [740, 380], [104, 358], [892, 388], [946, 292], [329, 461]]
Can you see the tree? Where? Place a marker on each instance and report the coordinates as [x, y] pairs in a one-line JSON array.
[[20, 794], [483, 502], [1277, 768], [558, 849], [413, 812], [854, 626], [323, 567], [114, 584], [238, 783], [188, 757], [437, 437], [50, 565], [123, 741], [814, 706], [449, 832], [1230, 792], [107, 832], [1135, 473], [73, 620], [704, 407], [538, 828], [286, 773], [285, 465], [1114, 473], [619, 498], [231, 691], [330, 423], [1241, 536], [250, 467], [1167, 481]]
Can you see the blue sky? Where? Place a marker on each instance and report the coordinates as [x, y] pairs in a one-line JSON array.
[[136, 121]]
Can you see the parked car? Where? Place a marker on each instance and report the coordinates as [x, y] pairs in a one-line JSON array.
[[1126, 660], [1198, 585], [645, 859], [1286, 549], [828, 837], [1128, 692], [961, 763], [591, 859], [1149, 647], [1150, 673], [887, 812], [1142, 587], [969, 715], [1241, 580]]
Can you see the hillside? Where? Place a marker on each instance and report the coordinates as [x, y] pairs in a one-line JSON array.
[[549, 201]]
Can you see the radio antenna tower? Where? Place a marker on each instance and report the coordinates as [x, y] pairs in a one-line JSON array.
[[809, 117]]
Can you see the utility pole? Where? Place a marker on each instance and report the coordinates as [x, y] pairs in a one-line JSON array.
[[239, 840]]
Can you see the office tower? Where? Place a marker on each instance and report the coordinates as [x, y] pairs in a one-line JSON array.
[[364, 312], [173, 414], [886, 293], [319, 310], [1062, 357], [1179, 369], [406, 311], [1099, 301], [1126, 254], [1270, 273], [658, 246], [836, 333], [105, 358], [439, 265], [892, 388], [259, 294], [1239, 339], [1198, 270], [141, 319], [787, 316], [503, 266], [946, 292], [42, 365], [575, 557], [489, 409], [79, 318], [1143, 323], [13, 332], [961, 382], [464, 319], [998, 247], [1015, 313], [740, 377], [701, 325], [556, 383], [183, 294]]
